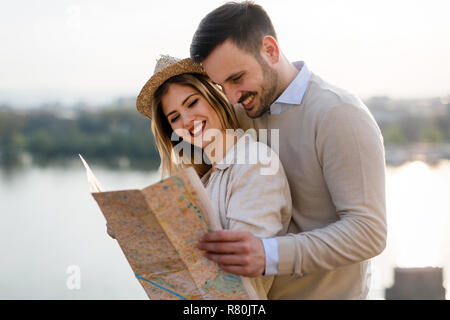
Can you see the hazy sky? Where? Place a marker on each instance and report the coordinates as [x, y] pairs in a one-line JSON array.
[[99, 50]]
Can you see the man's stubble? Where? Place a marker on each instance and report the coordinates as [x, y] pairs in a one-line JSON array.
[[269, 88]]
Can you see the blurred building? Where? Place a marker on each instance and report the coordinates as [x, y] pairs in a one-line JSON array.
[[417, 284]]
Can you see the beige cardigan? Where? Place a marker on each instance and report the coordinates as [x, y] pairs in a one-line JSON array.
[[332, 151], [247, 200]]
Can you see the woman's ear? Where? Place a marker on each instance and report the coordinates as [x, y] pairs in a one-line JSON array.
[[270, 49]]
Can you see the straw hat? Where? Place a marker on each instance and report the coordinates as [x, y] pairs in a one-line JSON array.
[[166, 67]]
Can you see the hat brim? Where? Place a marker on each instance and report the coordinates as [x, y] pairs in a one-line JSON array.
[[145, 98]]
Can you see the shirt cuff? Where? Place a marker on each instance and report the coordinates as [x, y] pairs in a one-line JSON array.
[[271, 250]]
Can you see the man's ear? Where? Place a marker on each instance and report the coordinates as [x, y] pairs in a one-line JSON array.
[[270, 50]]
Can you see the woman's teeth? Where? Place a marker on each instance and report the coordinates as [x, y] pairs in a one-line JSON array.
[[197, 128]]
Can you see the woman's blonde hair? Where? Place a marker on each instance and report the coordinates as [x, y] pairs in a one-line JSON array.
[[170, 161]]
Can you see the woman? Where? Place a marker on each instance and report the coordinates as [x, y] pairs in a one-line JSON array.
[[183, 103]]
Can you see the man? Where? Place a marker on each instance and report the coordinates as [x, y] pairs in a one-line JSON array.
[[331, 149]]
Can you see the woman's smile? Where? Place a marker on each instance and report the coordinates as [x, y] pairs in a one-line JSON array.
[[197, 128]]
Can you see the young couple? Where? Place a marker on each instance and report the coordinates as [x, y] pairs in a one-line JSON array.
[[308, 229]]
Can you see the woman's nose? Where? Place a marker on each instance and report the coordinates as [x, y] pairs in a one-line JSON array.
[[188, 120]]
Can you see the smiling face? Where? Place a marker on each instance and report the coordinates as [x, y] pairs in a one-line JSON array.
[[189, 114], [244, 78]]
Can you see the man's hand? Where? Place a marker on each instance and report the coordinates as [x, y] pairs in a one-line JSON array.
[[238, 252]]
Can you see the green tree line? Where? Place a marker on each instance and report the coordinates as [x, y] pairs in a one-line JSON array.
[[106, 134], [413, 129], [112, 133]]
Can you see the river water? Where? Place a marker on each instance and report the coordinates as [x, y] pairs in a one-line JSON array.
[[53, 241]]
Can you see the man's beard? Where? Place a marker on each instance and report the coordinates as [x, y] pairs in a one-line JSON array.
[[268, 88]]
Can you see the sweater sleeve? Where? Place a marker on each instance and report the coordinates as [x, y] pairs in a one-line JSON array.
[[259, 202], [350, 150]]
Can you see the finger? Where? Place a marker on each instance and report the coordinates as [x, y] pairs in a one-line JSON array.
[[224, 235], [224, 247], [228, 259]]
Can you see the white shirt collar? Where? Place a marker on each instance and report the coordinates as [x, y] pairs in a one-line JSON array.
[[294, 93]]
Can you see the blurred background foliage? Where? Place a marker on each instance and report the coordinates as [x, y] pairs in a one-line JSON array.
[[109, 135], [119, 135]]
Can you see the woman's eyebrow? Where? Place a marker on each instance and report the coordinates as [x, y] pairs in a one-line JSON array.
[[173, 111], [184, 101]]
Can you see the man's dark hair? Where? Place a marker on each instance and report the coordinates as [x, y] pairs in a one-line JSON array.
[[244, 23]]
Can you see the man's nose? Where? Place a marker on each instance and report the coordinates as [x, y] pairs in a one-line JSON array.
[[232, 93]]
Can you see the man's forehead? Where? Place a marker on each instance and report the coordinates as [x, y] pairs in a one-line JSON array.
[[225, 60]]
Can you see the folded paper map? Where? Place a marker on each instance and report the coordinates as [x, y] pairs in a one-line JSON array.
[[158, 228]]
